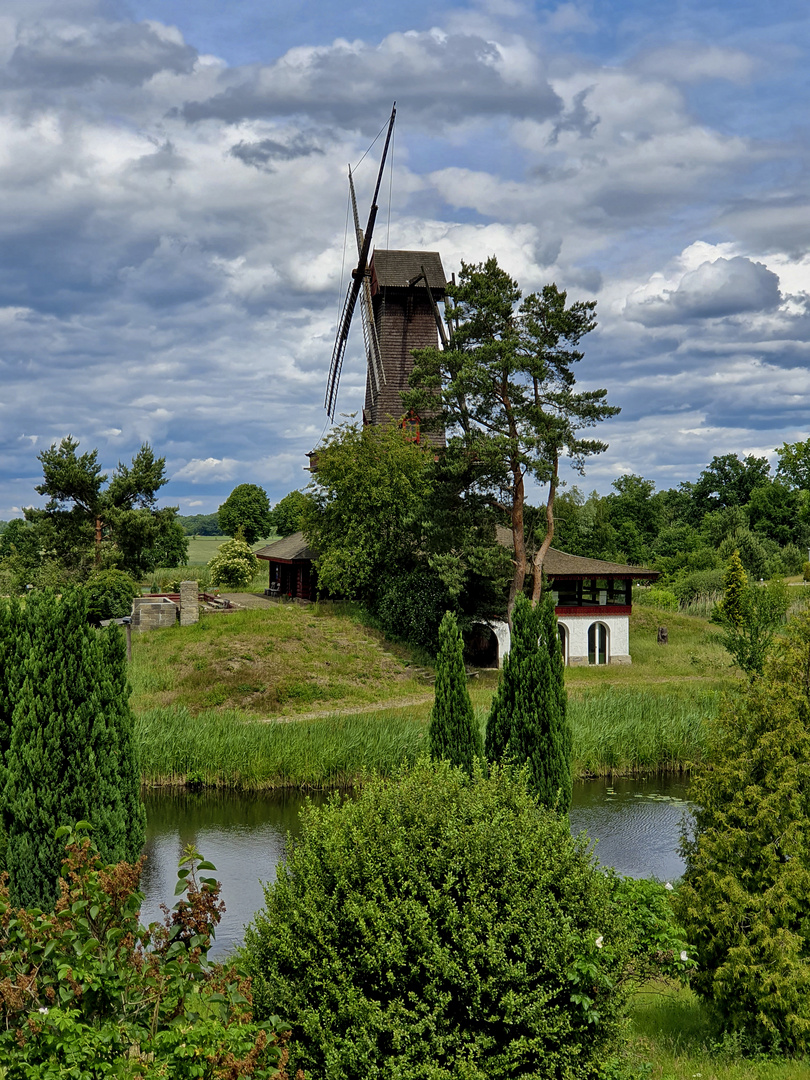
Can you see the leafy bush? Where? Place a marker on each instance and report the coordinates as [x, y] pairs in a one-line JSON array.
[[440, 927], [89, 992], [234, 564], [665, 599], [806, 571], [743, 899], [109, 595], [701, 583], [411, 607]]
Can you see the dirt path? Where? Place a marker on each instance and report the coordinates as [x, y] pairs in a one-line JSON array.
[[350, 710]]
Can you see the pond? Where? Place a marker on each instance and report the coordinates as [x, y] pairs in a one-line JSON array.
[[635, 822]]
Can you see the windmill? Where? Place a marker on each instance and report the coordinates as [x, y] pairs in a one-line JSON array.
[[399, 293]]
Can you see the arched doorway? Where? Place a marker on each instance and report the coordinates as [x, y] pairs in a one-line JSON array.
[[598, 649], [563, 632]]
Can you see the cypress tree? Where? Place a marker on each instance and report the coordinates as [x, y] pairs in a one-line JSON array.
[[735, 589], [71, 755], [453, 734], [528, 720]]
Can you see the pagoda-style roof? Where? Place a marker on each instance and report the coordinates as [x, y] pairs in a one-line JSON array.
[[559, 564], [394, 269], [289, 549]]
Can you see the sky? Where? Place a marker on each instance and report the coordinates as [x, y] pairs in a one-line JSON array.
[[173, 198]]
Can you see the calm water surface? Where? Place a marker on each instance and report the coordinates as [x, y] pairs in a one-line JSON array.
[[636, 824]]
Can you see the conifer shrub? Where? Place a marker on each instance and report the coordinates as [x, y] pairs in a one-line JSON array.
[[71, 753], [441, 926], [528, 720], [743, 899], [453, 734]]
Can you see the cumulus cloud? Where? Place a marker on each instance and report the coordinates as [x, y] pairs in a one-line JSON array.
[[172, 226], [204, 471], [714, 290], [437, 77]]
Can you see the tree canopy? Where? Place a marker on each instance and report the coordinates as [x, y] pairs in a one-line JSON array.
[[246, 508], [86, 522], [504, 392], [364, 514]]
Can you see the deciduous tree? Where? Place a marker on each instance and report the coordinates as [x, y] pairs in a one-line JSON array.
[[246, 508], [286, 515], [364, 514]]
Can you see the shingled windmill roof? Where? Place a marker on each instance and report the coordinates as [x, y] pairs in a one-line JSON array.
[[394, 269]]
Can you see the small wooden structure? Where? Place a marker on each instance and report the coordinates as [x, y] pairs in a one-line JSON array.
[[292, 574]]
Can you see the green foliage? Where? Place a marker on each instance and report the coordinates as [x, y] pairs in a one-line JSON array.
[[83, 522], [700, 583], [234, 564], [794, 464], [743, 899], [735, 587], [364, 514], [656, 597], [246, 508], [71, 754], [109, 595], [411, 606], [88, 992], [286, 515], [199, 524], [528, 720], [453, 734], [806, 571], [750, 617], [503, 389], [441, 927]]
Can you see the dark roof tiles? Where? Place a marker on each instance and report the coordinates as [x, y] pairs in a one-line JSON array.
[[394, 269]]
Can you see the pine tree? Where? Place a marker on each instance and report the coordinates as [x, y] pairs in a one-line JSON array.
[[13, 646], [72, 754], [528, 720], [453, 734]]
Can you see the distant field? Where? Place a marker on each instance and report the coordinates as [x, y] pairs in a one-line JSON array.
[[202, 549]]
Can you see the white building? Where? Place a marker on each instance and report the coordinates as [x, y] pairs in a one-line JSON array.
[[592, 599]]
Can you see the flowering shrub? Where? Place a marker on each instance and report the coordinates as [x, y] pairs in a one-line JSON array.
[[88, 992], [234, 564]]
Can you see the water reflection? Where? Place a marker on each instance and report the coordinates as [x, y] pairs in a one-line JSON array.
[[636, 823]]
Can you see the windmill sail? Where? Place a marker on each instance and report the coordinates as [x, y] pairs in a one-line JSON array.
[[349, 304]]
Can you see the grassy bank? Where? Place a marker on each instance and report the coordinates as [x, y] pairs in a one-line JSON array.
[[290, 696], [617, 732], [671, 1037]]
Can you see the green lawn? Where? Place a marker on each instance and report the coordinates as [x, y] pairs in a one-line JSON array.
[[201, 549]]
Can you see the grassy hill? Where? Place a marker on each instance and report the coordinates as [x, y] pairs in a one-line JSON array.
[[307, 696]]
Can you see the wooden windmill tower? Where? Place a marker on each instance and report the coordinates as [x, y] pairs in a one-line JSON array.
[[399, 293]]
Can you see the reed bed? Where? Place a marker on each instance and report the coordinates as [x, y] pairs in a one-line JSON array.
[[635, 731], [622, 732], [227, 749]]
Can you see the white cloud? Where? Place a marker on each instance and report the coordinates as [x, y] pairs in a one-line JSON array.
[[207, 470]]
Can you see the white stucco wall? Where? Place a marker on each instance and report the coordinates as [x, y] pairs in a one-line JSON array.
[[618, 628]]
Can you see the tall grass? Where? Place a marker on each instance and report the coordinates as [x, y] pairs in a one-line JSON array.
[[672, 1036], [614, 732], [632, 731], [224, 749]]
